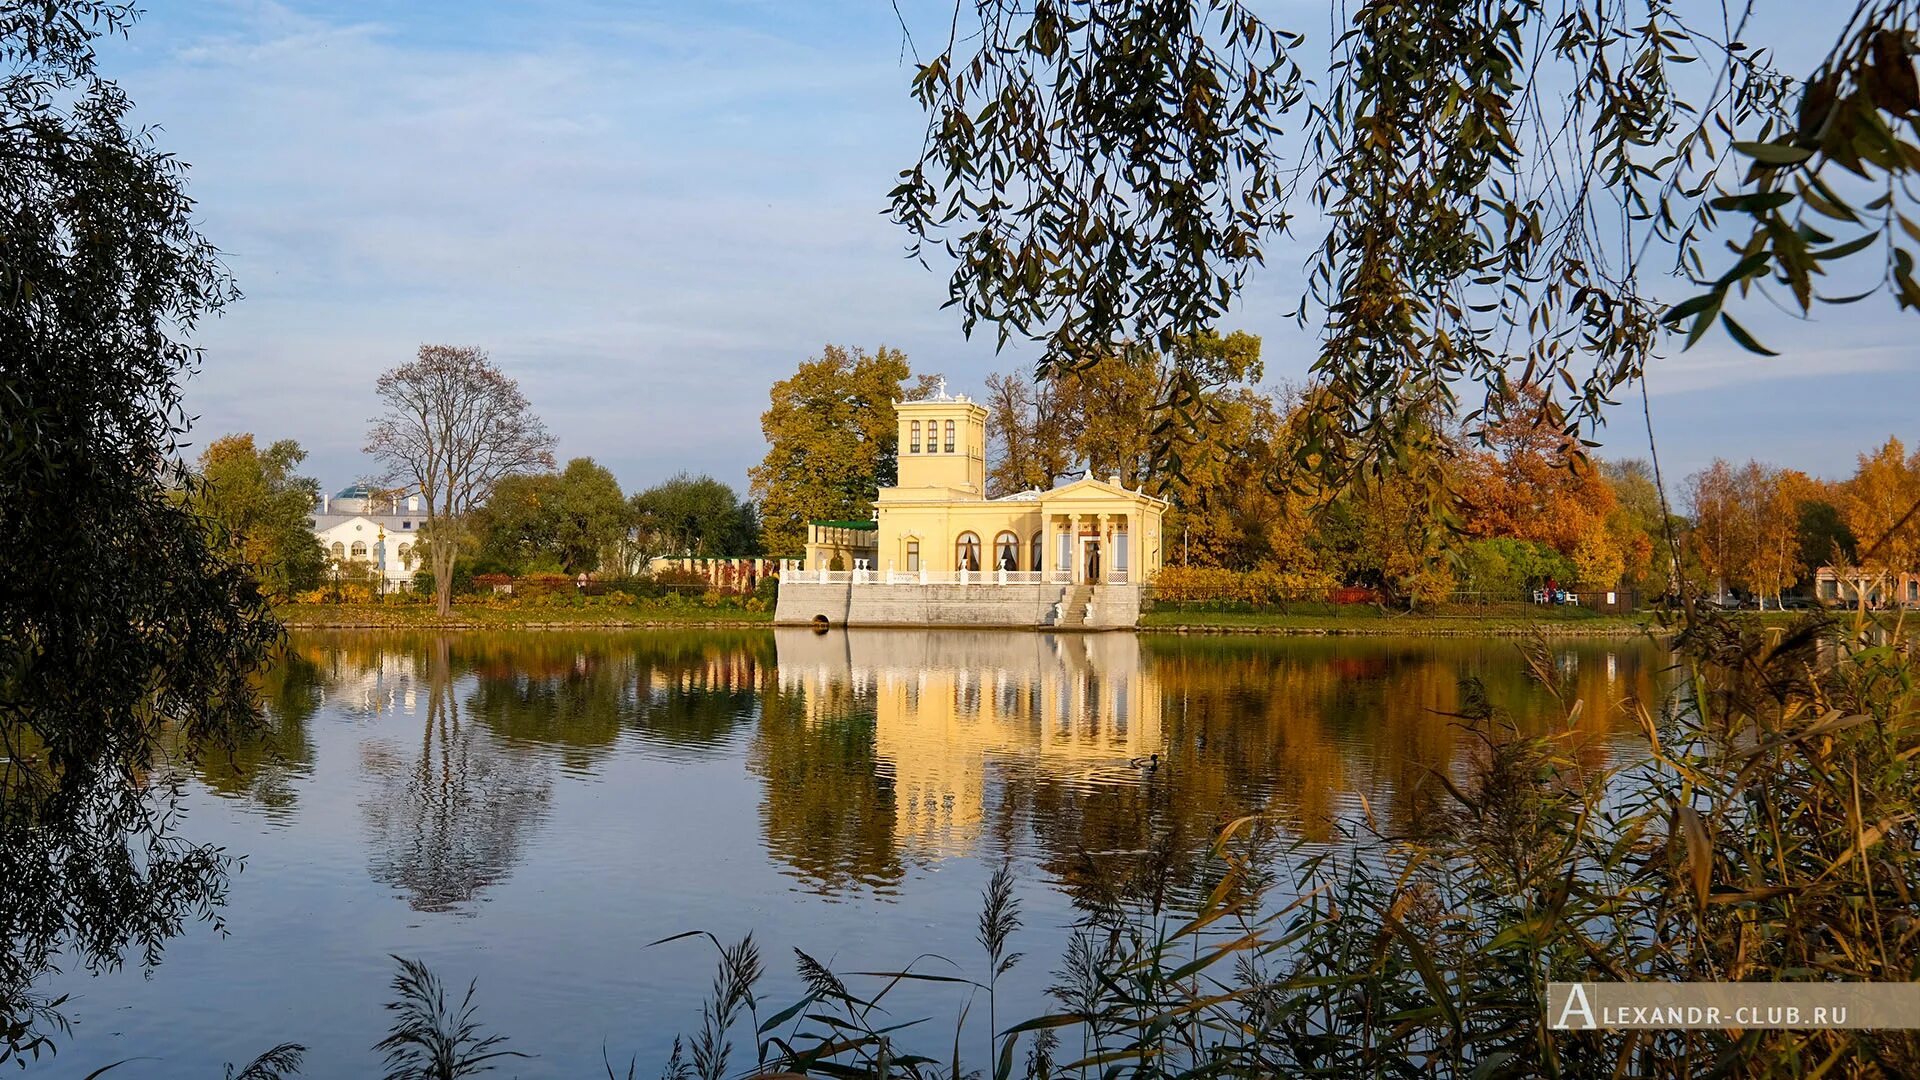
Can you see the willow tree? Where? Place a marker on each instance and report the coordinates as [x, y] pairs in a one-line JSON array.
[[1488, 190], [120, 624], [455, 426]]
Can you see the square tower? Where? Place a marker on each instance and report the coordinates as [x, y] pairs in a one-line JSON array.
[[943, 444]]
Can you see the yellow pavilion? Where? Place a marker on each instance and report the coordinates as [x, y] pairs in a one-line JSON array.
[[937, 525]]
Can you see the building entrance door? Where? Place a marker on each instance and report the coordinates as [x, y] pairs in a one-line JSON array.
[[1090, 568]]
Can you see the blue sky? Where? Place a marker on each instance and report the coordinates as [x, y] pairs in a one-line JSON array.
[[650, 212]]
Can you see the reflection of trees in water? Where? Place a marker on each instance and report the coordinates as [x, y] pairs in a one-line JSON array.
[[92, 873], [1300, 726], [1293, 731], [262, 767], [1297, 731], [580, 693], [95, 871], [829, 806], [569, 691], [449, 819]]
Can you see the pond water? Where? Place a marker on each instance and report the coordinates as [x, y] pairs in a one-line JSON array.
[[531, 810]]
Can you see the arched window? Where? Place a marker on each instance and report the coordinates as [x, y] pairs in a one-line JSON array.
[[359, 549], [966, 552], [1006, 552], [1038, 545], [913, 446], [949, 436], [339, 550], [406, 556]]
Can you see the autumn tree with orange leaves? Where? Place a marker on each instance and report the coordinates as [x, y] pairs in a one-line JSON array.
[[1878, 505], [1533, 482]]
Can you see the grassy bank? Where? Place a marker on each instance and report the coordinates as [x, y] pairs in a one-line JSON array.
[[1360, 619], [481, 616], [1347, 620]]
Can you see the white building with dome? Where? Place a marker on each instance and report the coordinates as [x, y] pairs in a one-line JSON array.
[[376, 528]]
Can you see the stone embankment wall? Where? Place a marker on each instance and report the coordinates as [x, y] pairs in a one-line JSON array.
[[1115, 607]]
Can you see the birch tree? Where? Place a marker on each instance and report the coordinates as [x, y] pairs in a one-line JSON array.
[[454, 426]]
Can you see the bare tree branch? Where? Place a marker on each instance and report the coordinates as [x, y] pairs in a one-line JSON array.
[[455, 425]]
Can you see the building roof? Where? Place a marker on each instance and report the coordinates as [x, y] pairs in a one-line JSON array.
[[390, 522], [1090, 485]]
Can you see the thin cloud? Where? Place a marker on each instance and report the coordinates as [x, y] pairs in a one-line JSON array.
[[647, 218]]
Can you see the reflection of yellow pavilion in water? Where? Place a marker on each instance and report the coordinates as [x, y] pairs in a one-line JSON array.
[[949, 706], [715, 672]]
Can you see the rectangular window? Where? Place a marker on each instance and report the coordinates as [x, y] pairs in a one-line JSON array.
[[913, 556], [913, 446], [949, 436]]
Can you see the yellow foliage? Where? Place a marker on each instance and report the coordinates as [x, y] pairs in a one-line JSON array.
[[1264, 586]]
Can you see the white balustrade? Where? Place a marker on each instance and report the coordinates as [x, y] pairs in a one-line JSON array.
[[864, 573]]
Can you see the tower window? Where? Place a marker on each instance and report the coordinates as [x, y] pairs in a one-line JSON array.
[[949, 436]]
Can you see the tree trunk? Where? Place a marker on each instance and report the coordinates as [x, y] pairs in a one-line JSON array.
[[443, 556]]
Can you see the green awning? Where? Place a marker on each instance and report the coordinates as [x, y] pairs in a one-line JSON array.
[[865, 526]]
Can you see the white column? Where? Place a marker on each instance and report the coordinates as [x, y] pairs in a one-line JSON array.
[[1078, 569], [1100, 545]]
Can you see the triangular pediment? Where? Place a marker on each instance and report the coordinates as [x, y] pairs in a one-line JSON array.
[[1092, 489]]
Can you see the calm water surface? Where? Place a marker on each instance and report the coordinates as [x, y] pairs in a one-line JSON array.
[[531, 810]]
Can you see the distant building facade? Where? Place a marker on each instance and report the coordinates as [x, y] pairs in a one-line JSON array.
[[1844, 586], [377, 530]]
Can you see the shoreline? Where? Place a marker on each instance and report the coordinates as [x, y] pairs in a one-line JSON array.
[[423, 617], [1543, 629], [1182, 624]]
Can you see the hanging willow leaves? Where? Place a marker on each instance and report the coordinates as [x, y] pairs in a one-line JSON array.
[[1492, 185], [122, 628], [1839, 164]]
